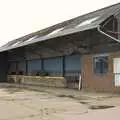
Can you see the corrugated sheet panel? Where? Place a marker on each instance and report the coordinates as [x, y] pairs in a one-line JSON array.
[[12, 67], [22, 66], [72, 64], [34, 66], [53, 66]]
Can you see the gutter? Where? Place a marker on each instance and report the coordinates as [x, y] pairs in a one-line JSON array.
[[98, 28]]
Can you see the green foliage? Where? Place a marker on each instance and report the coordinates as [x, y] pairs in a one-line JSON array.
[[12, 73], [20, 73], [42, 73]]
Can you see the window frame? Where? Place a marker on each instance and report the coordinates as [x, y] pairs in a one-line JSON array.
[[94, 64]]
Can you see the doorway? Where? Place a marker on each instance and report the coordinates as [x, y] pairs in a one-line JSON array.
[[116, 70]]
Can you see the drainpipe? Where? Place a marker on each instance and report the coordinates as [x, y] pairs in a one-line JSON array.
[[80, 82], [98, 28]]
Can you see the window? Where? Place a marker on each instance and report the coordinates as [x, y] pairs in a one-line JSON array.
[[100, 64]]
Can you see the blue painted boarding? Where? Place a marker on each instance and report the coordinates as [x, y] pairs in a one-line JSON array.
[[53, 66], [21, 67], [34, 66], [72, 65]]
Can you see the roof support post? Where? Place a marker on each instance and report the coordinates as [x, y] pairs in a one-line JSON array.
[[26, 65], [63, 66], [42, 64]]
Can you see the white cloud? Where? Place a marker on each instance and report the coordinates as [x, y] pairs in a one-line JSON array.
[[20, 17]]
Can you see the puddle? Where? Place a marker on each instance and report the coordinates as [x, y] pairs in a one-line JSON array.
[[94, 107], [84, 102], [68, 96]]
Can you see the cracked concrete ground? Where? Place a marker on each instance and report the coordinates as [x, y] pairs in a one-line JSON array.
[[18, 102]]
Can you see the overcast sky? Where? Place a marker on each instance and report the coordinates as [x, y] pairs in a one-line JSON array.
[[21, 17]]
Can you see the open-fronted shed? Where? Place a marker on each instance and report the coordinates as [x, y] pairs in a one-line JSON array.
[[82, 47]]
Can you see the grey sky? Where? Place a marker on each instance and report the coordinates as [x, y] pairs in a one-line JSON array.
[[21, 17]]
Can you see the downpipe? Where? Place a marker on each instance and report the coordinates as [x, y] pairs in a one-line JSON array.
[[98, 28], [80, 83]]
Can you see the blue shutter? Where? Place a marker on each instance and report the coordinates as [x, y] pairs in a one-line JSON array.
[[34, 66], [53, 66], [72, 64]]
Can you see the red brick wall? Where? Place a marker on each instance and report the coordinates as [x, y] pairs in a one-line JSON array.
[[95, 82]]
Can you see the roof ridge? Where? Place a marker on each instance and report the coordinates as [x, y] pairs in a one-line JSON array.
[[70, 20]]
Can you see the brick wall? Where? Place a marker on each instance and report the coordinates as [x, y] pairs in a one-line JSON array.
[[95, 82]]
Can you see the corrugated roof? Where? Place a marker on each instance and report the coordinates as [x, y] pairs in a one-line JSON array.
[[81, 23]]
